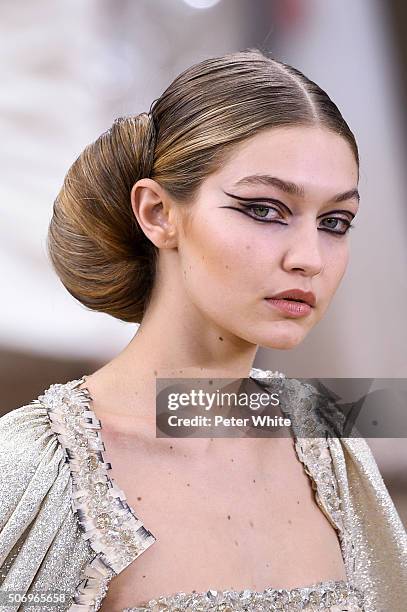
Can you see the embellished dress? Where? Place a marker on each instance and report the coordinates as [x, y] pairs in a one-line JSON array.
[[66, 529]]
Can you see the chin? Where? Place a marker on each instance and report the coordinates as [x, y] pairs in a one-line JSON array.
[[284, 340], [280, 345]]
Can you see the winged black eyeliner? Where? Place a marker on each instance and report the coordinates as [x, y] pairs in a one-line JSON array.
[[271, 200], [275, 201], [333, 232]]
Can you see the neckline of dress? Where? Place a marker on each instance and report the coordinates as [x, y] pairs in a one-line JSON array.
[[143, 538], [109, 524], [326, 592]]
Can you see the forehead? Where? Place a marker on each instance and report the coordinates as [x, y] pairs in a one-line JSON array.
[[316, 158]]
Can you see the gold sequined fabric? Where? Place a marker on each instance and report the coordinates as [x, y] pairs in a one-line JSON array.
[[66, 528]]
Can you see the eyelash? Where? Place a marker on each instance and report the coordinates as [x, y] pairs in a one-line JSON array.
[[262, 220]]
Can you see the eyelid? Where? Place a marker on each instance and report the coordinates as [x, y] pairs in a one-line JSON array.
[[339, 211]]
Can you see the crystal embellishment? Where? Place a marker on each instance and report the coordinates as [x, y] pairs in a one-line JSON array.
[[333, 596]]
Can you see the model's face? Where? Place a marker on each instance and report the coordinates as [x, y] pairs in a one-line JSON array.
[[234, 257]]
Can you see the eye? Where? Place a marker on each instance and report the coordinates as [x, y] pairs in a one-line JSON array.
[[334, 222], [262, 212]]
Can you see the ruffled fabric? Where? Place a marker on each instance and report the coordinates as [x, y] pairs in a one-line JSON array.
[[39, 533]]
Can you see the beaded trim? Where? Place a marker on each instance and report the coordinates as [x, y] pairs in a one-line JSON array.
[[110, 525], [335, 596], [107, 522]]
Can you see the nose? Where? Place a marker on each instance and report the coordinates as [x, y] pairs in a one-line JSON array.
[[303, 250]]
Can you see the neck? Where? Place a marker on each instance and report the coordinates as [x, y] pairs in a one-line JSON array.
[[166, 345]]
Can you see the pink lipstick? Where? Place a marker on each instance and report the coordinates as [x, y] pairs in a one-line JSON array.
[[294, 302]]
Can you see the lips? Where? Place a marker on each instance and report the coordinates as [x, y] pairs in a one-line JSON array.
[[297, 295]]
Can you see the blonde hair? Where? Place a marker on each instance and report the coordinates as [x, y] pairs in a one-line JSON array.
[[95, 244]]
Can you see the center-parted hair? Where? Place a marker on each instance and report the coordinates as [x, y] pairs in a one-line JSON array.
[[95, 244]]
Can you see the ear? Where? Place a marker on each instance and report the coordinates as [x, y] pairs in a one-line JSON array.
[[155, 212]]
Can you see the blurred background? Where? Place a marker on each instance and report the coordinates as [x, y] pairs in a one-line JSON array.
[[70, 68]]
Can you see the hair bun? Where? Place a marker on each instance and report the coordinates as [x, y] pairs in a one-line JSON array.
[[94, 242]]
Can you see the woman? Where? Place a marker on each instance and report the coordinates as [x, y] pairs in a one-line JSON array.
[[200, 220]]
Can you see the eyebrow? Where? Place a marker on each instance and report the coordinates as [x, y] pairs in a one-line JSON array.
[[292, 188]]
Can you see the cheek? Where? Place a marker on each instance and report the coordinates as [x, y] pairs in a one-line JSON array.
[[223, 267], [205, 260], [337, 261]]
